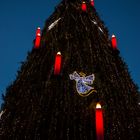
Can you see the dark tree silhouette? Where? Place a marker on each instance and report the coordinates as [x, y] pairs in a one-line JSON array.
[[41, 105]]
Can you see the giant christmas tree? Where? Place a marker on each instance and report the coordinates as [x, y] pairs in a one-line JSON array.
[[72, 67]]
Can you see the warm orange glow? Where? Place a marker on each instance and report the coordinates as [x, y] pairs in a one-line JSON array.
[[59, 53], [98, 105]]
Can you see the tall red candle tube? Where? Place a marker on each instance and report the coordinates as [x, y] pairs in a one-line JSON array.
[[114, 42], [84, 6], [37, 40], [92, 2], [57, 65], [99, 123]]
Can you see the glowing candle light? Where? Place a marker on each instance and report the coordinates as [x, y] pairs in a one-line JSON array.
[[57, 65], [92, 2], [37, 40], [99, 123], [84, 6], [38, 31], [114, 42]]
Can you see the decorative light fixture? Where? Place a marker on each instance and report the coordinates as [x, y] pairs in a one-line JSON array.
[[38, 31], [84, 6], [57, 65], [38, 38], [83, 83], [99, 123], [92, 2], [114, 42]]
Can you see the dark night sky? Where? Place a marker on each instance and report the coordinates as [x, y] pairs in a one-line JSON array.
[[20, 18]]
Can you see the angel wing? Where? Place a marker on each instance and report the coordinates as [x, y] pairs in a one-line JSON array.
[[89, 79], [75, 76]]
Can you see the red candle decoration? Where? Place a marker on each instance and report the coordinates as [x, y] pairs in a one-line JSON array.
[[57, 65], [99, 123], [92, 2], [38, 31], [114, 42], [84, 6], [37, 40]]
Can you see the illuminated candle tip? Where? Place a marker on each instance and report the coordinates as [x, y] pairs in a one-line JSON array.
[[113, 35], [98, 106], [38, 34], [59, 53]]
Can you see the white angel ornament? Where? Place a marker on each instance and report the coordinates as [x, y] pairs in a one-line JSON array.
[[83, 83]]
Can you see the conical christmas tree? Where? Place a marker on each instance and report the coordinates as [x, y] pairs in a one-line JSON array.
[[72, 67]]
